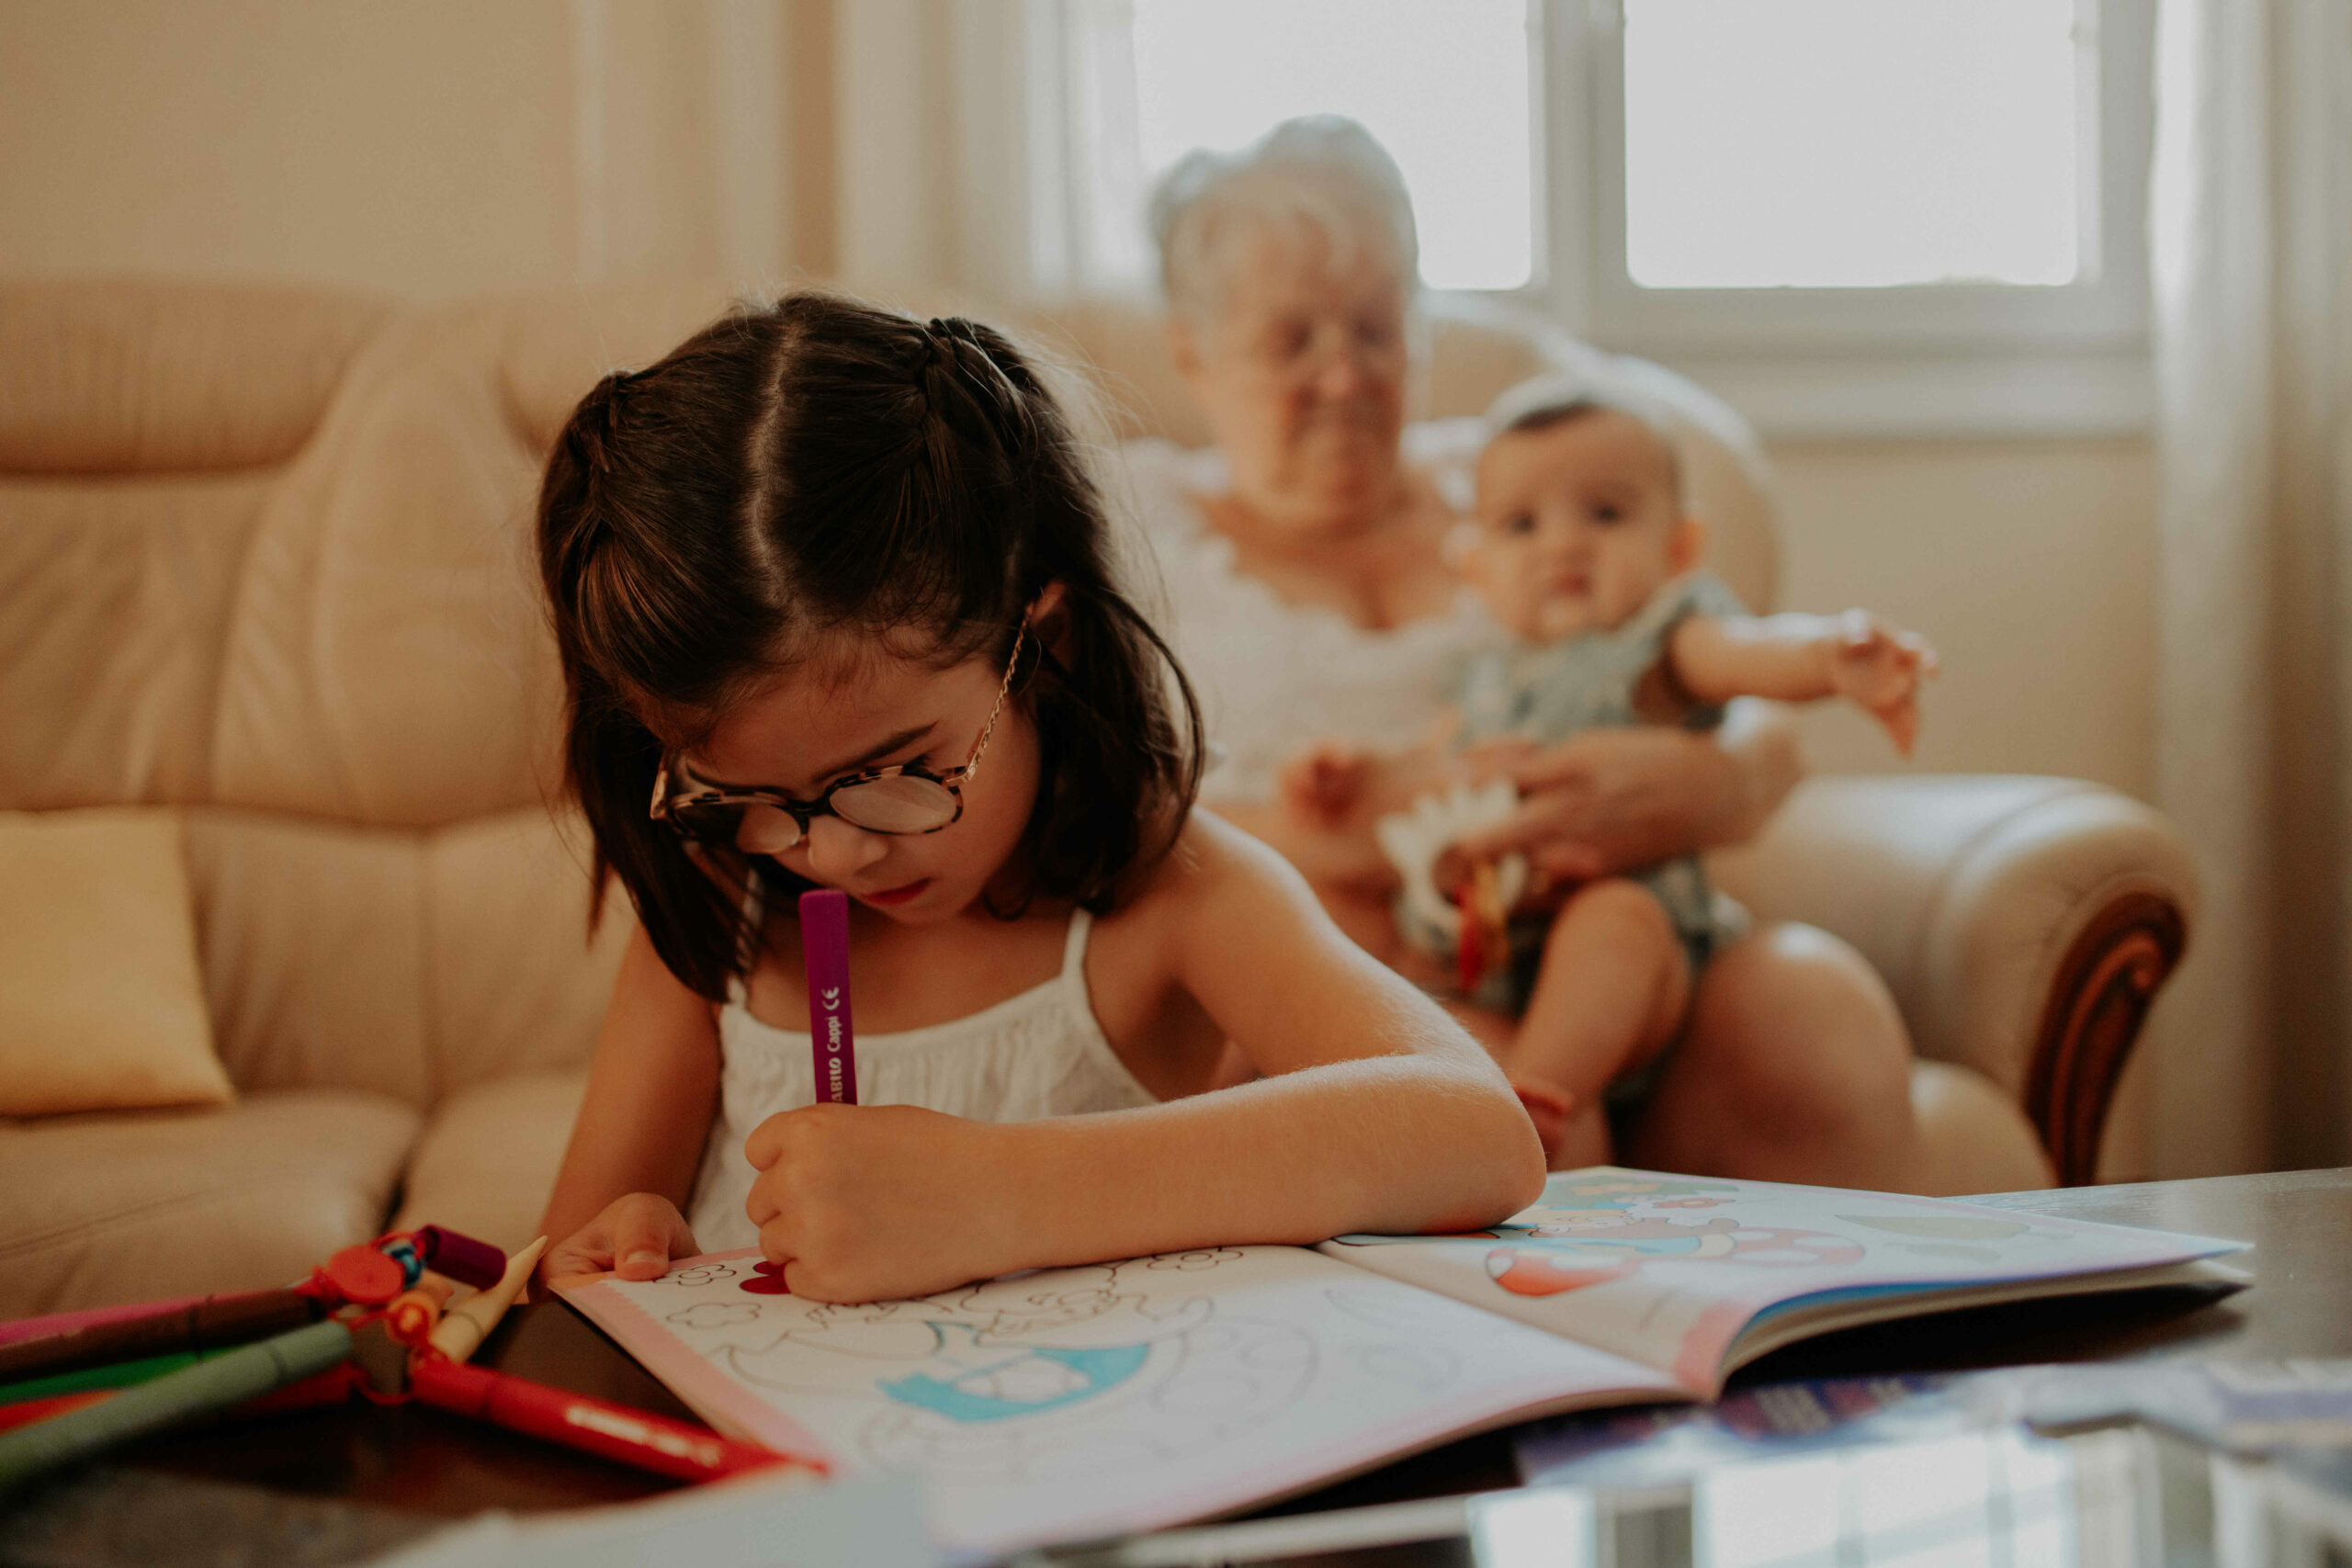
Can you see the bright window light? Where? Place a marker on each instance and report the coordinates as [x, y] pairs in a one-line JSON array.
[[1443, 84], [1855, 144]]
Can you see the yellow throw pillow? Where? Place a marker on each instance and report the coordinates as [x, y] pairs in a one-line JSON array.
[[101, 1000]]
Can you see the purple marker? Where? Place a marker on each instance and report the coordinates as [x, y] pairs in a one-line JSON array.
[[824, 945]]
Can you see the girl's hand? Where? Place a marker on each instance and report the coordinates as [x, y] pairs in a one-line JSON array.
[[635, 1237], [877, 1202], [1878, 668]]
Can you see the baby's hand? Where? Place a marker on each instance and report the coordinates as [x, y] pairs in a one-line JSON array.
[[1878, 668], [1323, 783], [876, 1202], [635, 1237]]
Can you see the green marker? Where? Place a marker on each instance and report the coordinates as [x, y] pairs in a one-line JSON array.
[[230, 1378], [122, 1374]]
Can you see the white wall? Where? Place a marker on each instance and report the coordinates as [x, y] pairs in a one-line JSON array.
[[431, 147], [2031, 567], [424, 149]]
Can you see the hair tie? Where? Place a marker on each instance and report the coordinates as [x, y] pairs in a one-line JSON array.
[[976, 393]]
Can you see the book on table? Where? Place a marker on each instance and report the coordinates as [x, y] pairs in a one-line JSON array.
[[1073, 1403]]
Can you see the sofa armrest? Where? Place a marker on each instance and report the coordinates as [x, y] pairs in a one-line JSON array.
[[2023, 924]]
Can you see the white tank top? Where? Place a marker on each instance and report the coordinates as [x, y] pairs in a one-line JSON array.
[[1039, 1053]]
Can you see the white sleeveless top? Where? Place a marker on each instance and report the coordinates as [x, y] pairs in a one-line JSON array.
[[1039, 1053], [1272, 676]]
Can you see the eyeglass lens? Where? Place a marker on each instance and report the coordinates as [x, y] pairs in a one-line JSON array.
[[901, 803]]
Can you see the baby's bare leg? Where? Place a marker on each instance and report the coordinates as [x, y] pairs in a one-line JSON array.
[[1612, 989]]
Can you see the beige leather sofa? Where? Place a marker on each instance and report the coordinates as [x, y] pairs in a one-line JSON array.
[[262, 557]]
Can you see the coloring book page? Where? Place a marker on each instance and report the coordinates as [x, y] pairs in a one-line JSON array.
[[1667, 1270], [1074, 1403]]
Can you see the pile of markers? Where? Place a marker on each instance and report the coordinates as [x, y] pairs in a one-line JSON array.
[[384, 1322]]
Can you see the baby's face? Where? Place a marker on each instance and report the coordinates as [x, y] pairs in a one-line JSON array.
[[1578, 524]]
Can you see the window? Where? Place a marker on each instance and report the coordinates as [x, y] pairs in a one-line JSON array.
[[1443, 84], [1748, 164], [1846, 215]]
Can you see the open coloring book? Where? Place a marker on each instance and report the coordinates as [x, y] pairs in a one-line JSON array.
[[1074, 1403]]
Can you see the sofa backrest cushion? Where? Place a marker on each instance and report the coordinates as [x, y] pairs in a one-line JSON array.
[[402, 962]]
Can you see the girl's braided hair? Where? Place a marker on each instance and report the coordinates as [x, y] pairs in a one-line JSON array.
[[818, 466]]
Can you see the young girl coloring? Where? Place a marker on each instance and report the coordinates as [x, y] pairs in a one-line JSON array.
[[835, 604]]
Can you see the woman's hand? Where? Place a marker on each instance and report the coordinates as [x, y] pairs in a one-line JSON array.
[[1608, 801], [636, 1237], [877, 1202]]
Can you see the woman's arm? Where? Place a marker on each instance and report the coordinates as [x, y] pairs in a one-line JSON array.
[[1609, 800], [1376, 1112], [635, 1148]]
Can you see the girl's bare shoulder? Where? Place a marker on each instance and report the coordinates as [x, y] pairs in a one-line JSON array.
[[1213, 866]]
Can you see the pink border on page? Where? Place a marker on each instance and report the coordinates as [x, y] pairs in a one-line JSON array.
[[717, 1398]]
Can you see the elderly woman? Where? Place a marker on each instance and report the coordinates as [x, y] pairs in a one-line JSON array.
[[1311, 597]]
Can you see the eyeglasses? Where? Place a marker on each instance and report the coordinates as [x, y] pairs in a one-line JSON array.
[[905, 799]]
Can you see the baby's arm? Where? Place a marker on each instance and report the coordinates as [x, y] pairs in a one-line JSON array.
[[634, 1147], [1376, 1112], [1798, 657]]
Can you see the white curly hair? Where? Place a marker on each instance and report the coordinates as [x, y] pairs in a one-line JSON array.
[[1323, 175]]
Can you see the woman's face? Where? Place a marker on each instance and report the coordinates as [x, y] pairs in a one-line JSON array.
[[1302, 374]]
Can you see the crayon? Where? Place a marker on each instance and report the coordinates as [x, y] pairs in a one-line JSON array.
[[461, 1257], [208, 1323], [247, 1372], [824, 946], [465, 1325], [414, 1314]]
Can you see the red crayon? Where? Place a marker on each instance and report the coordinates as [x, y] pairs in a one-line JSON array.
[[617, 1432], [824, 943], [25, 1412]]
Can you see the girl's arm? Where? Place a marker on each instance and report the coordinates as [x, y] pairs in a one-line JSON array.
[[1797, 658], [1330, 855], [635, 1148], [1376, 1113]]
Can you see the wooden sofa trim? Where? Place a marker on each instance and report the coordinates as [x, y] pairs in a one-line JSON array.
[[2097, 1004]]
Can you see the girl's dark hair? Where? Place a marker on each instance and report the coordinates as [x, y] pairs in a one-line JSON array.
[[820, 465]]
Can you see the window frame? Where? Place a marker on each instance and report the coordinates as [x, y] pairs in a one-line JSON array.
[[1585, 56], [1929, 360]]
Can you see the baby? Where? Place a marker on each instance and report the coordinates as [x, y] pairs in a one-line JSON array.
[[1583, 551]]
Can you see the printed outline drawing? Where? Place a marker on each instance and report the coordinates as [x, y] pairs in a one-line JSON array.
[[1054, 1376], [702, 1274]]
